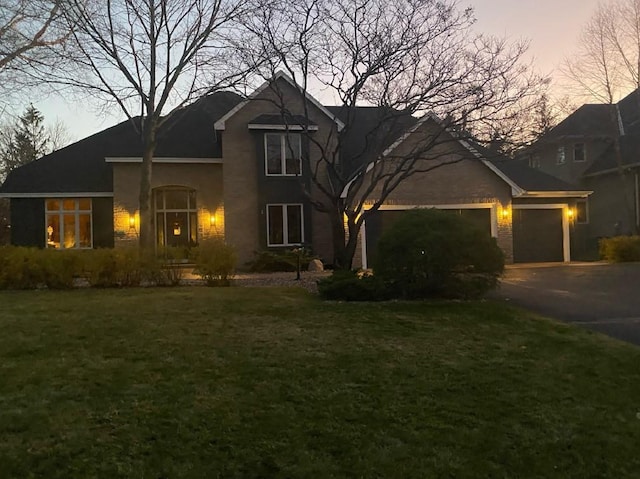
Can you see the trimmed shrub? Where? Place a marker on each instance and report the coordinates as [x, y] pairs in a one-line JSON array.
[[118, 267], [215, 262], [352, 286], [620, 249], [432, 253], [284, 260], [59, 268], [20, 268]]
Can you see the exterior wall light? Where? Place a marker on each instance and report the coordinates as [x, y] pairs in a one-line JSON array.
[[132, 221], [570, 214], [505, 213], [212, 220]]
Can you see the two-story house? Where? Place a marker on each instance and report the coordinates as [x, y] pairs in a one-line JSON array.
[[238, 168], [597, 148]]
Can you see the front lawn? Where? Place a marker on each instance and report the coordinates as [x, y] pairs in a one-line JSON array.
[[261, 383]]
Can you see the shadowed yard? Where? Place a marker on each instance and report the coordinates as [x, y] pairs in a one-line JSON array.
[[271, 382]]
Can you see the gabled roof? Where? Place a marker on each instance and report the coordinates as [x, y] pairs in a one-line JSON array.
[[524, 180], [81, 166], [630, 151], [588, 120], [280, 75]]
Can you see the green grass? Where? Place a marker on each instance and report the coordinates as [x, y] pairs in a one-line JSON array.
[[248, 383]]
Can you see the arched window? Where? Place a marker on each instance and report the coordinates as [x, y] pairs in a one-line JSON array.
[[176, 216]]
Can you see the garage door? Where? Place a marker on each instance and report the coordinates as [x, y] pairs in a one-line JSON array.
[[381, 221], [537, 235]]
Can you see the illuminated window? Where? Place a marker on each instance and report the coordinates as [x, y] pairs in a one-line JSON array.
[[176, 217], [68, 223], [283, 154], [284, 225]]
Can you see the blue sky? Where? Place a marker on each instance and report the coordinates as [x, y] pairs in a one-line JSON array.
[[551, 26]]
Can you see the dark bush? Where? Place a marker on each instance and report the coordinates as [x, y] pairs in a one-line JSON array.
[[21, 268], [432, 253], [275, 261], [215, 262], [352, 286], [620, 249]]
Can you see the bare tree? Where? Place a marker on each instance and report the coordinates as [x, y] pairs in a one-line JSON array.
[[406, 58], [26, 26], [150, 57]]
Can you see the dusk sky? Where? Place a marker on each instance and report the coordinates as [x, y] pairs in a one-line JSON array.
[[552, 26]]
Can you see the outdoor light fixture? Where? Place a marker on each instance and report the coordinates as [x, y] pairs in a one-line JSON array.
[[132, 221], [212, 220], [570, 214], [505, 213]]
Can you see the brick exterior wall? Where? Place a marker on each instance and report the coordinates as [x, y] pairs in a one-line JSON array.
[[245, 215], [206, 179], [464, 182]]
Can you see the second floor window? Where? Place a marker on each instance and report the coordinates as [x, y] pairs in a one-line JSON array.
[[560, 156], [578, 152], [283, 154]]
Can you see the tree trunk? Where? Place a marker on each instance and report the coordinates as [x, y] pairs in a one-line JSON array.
[[146, 226], [629, 211], [345, 240]]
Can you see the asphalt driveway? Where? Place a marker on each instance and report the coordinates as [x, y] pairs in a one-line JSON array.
[[599, 296]]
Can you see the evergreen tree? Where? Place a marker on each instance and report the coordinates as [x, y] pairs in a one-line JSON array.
[[23, 142]]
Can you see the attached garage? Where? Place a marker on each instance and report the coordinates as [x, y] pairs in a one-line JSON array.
[[540, 234], [482, 215]]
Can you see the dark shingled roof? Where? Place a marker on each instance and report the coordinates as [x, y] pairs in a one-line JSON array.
[[589, 120], [369, 131], [519, 171], [629, 147], [81, 167]]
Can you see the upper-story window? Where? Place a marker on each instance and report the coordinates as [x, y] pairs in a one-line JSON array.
[[534, 161], [560, 156], [283, 154], [579, 152]]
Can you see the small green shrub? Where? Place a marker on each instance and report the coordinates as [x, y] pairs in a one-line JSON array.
[[20, 268], [351, 286], [215, 262], [620, 249], [118, 267], [59, 268], [432, 253], [275, 261]]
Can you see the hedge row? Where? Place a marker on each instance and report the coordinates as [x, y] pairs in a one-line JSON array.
[[620, 249], [32, 268]]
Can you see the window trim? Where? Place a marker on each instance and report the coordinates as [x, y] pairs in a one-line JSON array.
[[283, 156], [164, 211], [61, 212], [563, 155], [584, 152], [285, 225], [586, 211]]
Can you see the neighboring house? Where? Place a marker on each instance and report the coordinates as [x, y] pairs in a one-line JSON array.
[[222, 169], [581, 151]]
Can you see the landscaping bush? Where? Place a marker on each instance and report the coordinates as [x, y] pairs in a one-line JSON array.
[[59, 268], [432, 253], [620, 249], [118, 267], [352, 286], [20, 268], [275, 261], [215, 262]]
